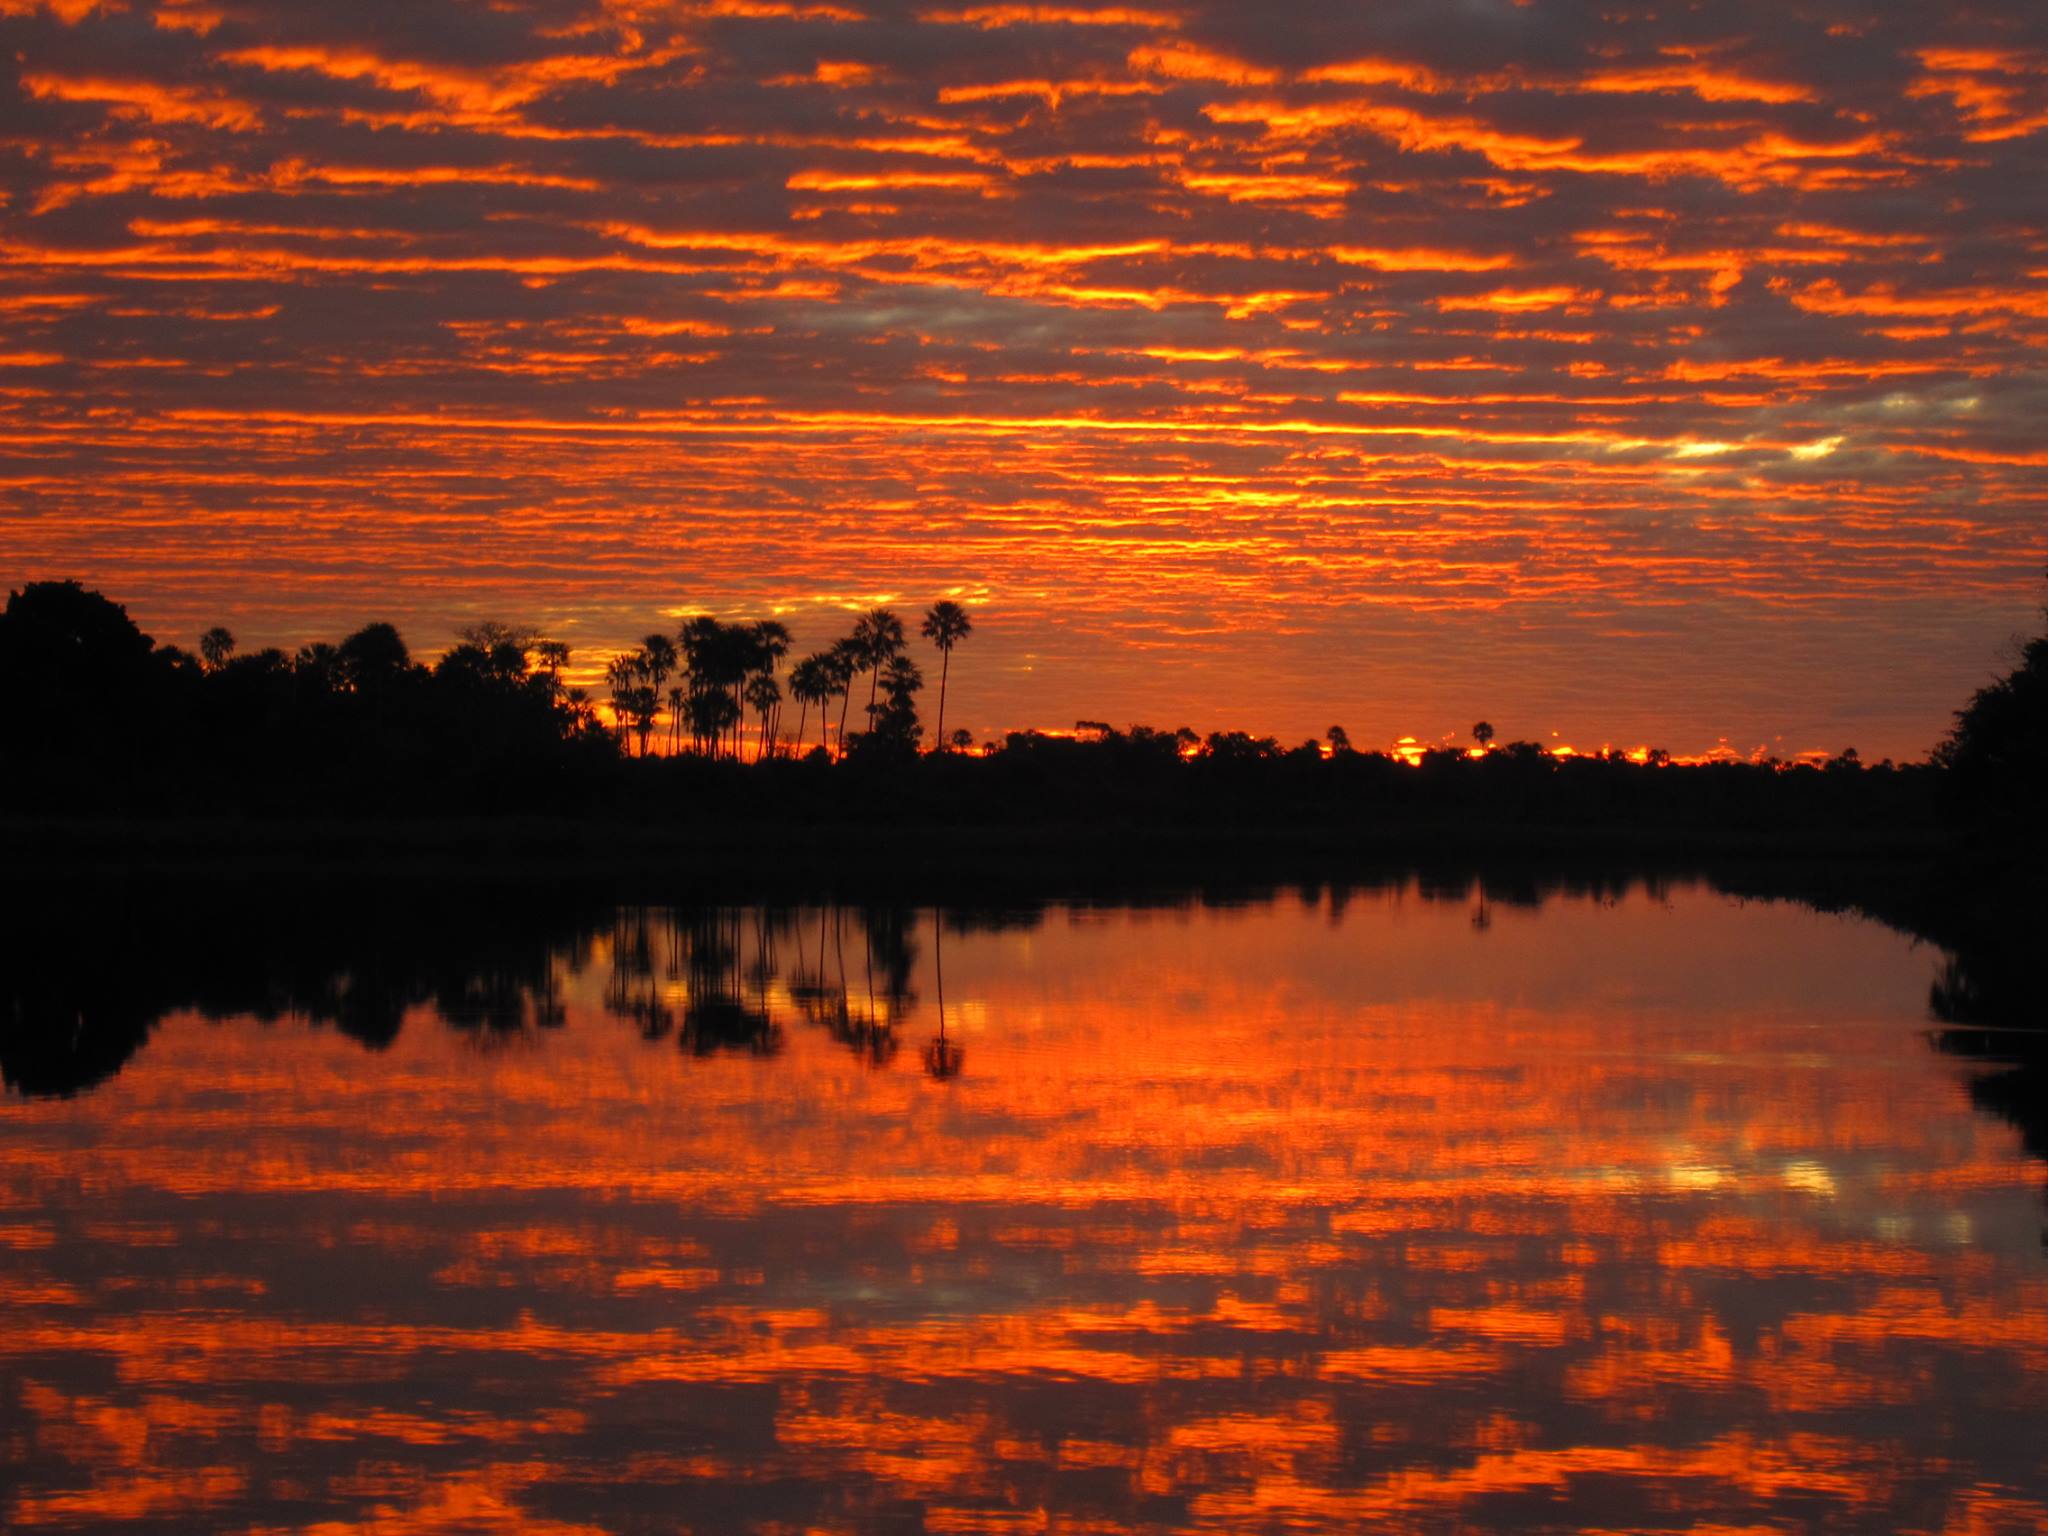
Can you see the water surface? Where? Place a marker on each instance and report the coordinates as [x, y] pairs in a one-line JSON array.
[[1401, 1209]]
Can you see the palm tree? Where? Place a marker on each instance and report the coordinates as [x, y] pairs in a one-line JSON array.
[[810, 682], [768, 643], [711, 712], [621, 675], [553, 655], [1339, 740], [879, 634], [764, 693], [844, 661], [216, 646], [319, 663], [658, 658], [645, 704], [771, 644], [1483, 734], [374, 658], [718, 656], [893, 724], [946, 624]]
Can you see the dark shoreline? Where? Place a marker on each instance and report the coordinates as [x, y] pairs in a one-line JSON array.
[[786, 856], [113, 923], [1912, 877]]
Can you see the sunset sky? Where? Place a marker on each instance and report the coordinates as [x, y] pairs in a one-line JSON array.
[[1646, 374]]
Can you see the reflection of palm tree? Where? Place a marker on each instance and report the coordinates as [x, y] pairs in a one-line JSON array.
[[942, 1057], [631, 992]]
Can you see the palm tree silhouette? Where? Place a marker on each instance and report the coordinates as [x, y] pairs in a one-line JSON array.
[[552, 655], [658, 658], [810, 682], [677, 694], [764, 693], [946, 624], [1483, 734], [845, 661], [621, 673], [879, 634], [216, 646]]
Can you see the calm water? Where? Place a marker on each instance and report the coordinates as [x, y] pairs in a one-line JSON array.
[[1650, 1212]]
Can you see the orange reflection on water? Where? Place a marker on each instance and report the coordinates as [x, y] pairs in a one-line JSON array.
[[1648, 1214]]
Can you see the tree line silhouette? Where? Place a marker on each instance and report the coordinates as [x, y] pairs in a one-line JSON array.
[[722, 671], [105, 722]]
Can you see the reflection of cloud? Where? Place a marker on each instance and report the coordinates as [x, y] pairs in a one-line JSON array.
[[1367, 336], [1227, 1193]]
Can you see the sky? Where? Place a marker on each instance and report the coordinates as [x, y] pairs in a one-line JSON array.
[[1630, 374]]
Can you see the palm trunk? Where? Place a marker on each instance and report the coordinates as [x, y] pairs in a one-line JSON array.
[[945, 666]]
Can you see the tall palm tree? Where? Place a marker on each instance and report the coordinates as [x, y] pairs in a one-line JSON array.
[[552, 656], [764, 693], [946, 624], [879, 634], [621, 675], [645, 703], [845, 659], [717, 656], [768, 643], [895, 721], [659, 658], [771, 644], [216, 646], [810, 682]]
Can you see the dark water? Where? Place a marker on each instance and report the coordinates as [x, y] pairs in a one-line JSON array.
[[1636, 1211]]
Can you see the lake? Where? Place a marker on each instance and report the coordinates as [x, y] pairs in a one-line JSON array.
[[1407, 1206]]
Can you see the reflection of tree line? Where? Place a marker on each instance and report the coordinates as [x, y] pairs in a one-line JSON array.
[[84, 981], [1989, 1004], [733, 978], [85, 978]]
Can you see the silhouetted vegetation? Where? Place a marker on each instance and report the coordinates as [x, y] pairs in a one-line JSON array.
[[695, 737], [1996, 757], [105, 721]]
